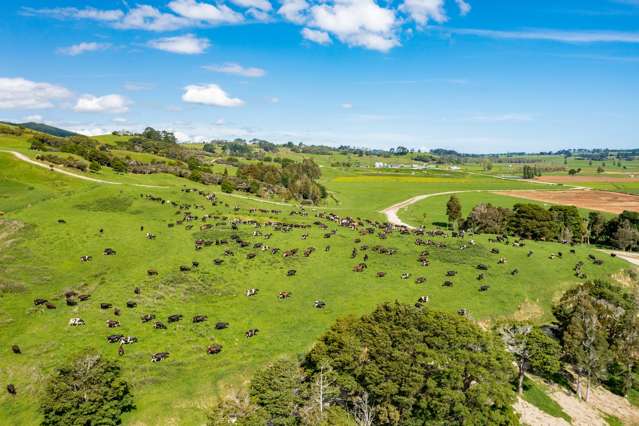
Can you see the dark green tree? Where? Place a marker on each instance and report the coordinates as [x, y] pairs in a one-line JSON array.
[[89, 392], [453, 210]]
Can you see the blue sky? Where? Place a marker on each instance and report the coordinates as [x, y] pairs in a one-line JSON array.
[[476, 76]]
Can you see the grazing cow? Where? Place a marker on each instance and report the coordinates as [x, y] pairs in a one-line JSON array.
[[502, 261], [121, 350], [112, 323], [116, 312], [480, 277], [150, 236], [319, 304], [327, 248], [147, 317], [136, 290], [86, 258], [365, 257], [422, 299], [572, 251], [530, 253], [597, 262], [451, 273], [494, 250], [484, 288], [49, 305], [114, 338], [16, 349], [128, 340], [70, 293], [131, 304], [160, 356], [214, 349], [462, 312], [195, 264], [11, 389], [251, 292], [447, 283], [291, 273], [359, 267], [62, 221], [158, 325], [251, 255], [228, 253], [184, 268], [218, 262], [151, 272], [514, 272], [109, 252], [613, 254], [380, 274], [420, 280], [251, 332], [76, 321], [106, 305], [405, 275], [221, 325], [38, 302], [84, 297], [71, 302], [200, 318], [175, 318], [284, 295], [482, 267]]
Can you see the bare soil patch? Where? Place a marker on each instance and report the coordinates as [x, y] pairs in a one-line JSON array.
[[578, 179], [610, 202]]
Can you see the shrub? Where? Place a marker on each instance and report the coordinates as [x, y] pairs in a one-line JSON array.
[[227, 186]]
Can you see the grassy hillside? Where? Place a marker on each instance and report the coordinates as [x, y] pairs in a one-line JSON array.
[[40, 258]]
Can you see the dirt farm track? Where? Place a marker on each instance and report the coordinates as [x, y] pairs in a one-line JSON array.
[[611, 202]]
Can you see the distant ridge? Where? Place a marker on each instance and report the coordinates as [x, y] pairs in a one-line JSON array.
[[44, 128]]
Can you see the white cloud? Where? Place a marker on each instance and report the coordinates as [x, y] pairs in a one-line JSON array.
[[187, 44], [78, 49], [19, 93], [34, 117], [233, 68], [197, 11], [294, 10], [108, 103], [148, 18], [259, 15], [424, 10], [75, 13], [553, 35], [210, 94], [319, 37], [347, 105], [357, 23], [464, 7], [255, 4], [120, 120]]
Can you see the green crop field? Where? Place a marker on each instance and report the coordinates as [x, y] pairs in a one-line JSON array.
[[40, 258]]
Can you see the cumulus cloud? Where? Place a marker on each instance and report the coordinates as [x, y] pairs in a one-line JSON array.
[[149, 18], [187, 44], [294, 10], [108, 103], [210, 94], [20, 93], [421, 11], [357, 23], [316, 36], [197, 11], [80, 48], [233, 68], [255, 4]]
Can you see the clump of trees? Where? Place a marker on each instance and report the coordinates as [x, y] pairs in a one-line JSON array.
[[89, 391], [598, 326], [299, 179], [531, 172], [399, 365], [66, 162]]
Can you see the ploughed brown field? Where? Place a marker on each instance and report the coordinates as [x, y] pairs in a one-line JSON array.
[[611, 202], [577, 179]]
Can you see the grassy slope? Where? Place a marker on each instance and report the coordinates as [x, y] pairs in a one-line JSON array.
[[45, 262]]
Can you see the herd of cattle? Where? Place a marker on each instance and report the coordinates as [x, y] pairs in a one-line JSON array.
[[362, 228]]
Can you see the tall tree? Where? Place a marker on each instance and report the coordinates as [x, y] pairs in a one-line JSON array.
[[453, 209]]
